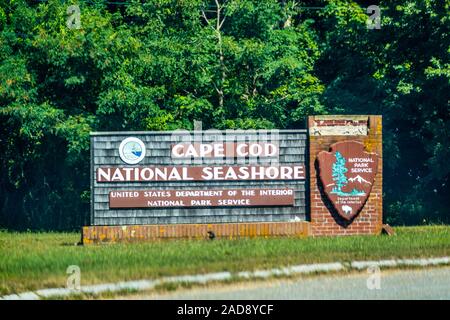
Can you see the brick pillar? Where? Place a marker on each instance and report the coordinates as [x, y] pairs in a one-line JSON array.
[[323, 132]]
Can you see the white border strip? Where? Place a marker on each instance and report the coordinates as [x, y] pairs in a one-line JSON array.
[[359, 265]]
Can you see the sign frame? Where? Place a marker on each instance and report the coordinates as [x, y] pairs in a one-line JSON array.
[[295, 140]]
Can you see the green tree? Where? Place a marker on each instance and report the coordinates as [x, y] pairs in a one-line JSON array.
[[160, 65], [402, 72], [338, 173]]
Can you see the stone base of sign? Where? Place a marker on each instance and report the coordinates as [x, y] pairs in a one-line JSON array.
[[323, 132], [135, 233]]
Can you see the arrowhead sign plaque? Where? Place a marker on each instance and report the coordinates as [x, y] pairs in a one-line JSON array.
[[347, 174]]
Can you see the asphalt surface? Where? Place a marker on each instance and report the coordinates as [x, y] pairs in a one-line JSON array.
[[399, 284]]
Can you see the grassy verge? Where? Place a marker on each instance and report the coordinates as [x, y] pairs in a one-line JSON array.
[[30, 261]]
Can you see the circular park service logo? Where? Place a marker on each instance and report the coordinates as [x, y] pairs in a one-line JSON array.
[[347, 174], [132, 150]]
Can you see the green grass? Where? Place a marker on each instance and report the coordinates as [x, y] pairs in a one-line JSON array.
[[31, 261]]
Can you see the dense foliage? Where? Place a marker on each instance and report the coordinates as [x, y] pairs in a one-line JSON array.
[[161, 64]]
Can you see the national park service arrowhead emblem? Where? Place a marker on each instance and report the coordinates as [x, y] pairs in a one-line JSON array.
[[347, 174]]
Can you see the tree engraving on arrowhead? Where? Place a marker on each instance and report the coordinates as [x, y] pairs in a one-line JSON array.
[[347, 173]]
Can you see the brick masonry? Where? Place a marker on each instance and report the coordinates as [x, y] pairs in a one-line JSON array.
[[324, 221]]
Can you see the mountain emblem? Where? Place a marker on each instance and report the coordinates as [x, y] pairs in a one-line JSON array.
[[347, 173], [358, 179]]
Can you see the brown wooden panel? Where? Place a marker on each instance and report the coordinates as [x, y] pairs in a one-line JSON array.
[[200, 173], [201, 198]]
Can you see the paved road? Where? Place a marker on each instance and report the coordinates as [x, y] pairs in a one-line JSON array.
[[399, 284]]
